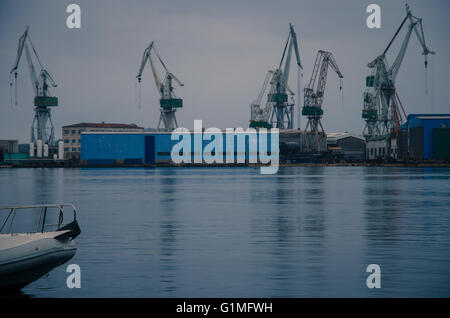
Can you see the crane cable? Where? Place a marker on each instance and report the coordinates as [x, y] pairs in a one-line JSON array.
[[35, 53], [426, 81], [431, 89], [160, 59], [429, 86], [137, 94], [15, 89], [11, 91], [401, 104], [138, 87], [15, 73]]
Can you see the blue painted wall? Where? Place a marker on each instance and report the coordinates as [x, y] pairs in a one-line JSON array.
[[131, 147], [112, 146], [428, 125]]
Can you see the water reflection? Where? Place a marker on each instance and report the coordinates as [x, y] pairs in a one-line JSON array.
[[168, 228], [313, 225], [43, 185], [308, 231], [290, 230], [382, 209]]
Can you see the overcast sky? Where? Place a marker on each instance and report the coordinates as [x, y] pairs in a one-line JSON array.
[[221, 50]]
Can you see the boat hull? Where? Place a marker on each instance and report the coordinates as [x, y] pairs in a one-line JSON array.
[[25, 258]]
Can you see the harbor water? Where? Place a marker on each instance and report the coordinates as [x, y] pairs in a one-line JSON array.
[[231, 232]]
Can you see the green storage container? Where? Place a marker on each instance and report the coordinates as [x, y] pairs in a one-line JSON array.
[[171, 103], [47, 101], [441, 143], [277, 98], [16, 156]]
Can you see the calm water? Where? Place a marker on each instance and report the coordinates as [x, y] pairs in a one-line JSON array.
[[207, 232]]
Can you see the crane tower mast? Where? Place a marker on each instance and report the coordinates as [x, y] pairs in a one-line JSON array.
[[279, 110], [41, 86], [168, 101], [312, 107], [381, 103]]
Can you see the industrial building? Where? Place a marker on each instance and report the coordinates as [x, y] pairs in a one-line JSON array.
[[347, 146], [297, 144], [134, 148], [8, 147], [422, 137], [72, 135], [425, 137], [16, 153], [382, 147]]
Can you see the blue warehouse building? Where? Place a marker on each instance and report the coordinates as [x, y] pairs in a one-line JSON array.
[[155, 147], [425, 137]]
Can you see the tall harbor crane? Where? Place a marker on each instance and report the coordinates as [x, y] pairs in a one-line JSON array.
[[313, 96], [168, 101], [41, 85], [279, 111], [381, 103]]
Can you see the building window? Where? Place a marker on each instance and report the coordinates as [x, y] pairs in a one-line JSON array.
[[66, 132], [74, 141], [66, 141], [371, 151], [66, 149], [74, 132]]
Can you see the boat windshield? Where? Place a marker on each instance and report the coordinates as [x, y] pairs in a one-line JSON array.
[[34, 218]]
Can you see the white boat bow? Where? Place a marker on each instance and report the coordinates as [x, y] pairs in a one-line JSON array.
[[25, 257]]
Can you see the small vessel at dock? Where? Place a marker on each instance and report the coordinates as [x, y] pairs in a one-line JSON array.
[[26, 256]]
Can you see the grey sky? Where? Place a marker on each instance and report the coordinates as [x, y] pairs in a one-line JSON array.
[[221, 50]]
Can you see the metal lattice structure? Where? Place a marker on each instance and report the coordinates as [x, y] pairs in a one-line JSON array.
[[168, 102], [42, 126], [381, 110], [279, 109], [313, 94]]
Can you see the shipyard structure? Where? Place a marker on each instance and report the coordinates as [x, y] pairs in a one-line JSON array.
[[72, 135], [390, 134], [140, 148], [137, 148]]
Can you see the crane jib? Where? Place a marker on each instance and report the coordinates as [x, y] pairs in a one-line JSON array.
[[168, 102]]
